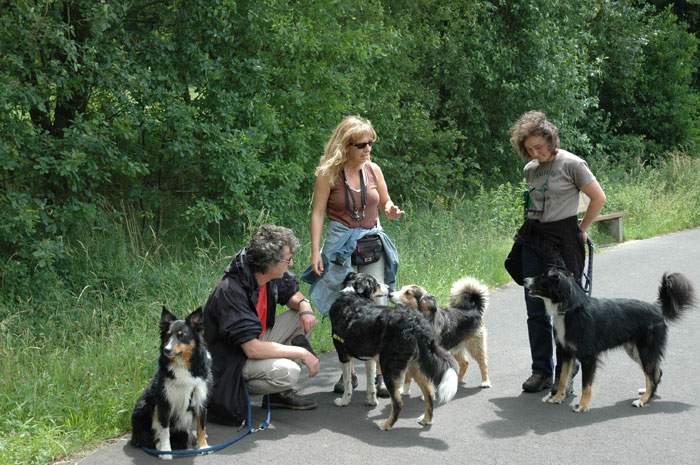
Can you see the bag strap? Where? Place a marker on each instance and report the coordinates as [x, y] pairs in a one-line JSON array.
[[350, 199]]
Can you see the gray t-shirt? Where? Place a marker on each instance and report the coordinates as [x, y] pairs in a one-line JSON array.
[[554, 186]]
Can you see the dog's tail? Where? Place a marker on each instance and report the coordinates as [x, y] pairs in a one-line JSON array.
[[676, 295], [440, 367], [469, 294]]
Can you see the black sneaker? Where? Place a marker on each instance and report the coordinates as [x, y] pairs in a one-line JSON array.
[[382, 391], [339, 387], [537, 382], [290, 400]]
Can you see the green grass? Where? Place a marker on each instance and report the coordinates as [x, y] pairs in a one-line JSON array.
[[75, 356]]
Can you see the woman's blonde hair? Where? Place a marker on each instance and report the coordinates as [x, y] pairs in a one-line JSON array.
[[335, 154], [533, 123]]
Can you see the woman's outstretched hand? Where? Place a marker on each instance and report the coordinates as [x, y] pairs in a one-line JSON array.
[[393, 212]]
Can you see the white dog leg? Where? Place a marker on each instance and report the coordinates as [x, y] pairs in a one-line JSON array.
[[371, 374], [163, 435], [347, 385]]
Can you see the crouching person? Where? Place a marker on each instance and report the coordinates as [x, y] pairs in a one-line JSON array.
[[251, 348]]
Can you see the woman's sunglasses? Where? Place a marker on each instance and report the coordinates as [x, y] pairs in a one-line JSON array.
[[363, 144]]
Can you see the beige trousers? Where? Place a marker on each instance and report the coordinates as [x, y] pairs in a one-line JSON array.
[[275, 374]]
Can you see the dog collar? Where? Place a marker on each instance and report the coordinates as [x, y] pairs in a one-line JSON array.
[[338, 338]]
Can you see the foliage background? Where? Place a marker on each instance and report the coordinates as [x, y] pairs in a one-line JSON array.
[[203, 117]]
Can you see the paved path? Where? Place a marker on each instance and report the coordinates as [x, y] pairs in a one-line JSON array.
[[502, 425]]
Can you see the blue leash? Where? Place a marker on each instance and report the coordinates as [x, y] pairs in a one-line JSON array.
[[207, 450]]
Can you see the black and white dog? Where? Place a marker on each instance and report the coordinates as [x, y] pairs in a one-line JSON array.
[[171, 412], [586, 326], [459, 327], [400, 337]]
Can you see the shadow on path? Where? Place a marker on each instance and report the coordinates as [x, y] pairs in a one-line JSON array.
[[518, 416]]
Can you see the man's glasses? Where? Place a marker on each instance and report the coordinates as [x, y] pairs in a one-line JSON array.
[[289, 261], [363, 144]]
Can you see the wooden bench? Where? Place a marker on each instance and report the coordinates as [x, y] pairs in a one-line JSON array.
[[613, 220]]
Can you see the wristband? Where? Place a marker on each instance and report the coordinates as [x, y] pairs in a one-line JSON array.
[[305, 312]]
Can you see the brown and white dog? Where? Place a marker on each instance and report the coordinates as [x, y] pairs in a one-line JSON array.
[[459, 327]]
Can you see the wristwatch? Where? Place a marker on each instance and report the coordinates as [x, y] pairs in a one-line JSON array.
[[305, 312]]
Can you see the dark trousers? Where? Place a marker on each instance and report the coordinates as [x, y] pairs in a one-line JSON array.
[[539, 324]]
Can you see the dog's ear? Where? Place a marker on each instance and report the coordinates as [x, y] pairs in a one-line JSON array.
[[195, 319], [166, 318], [556, 263], [348, 278], [427, 305], [558, 273]]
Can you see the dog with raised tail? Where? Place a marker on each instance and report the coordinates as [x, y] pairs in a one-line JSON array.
[[402, 340], [459, 327], [171, 413], [585, 327]]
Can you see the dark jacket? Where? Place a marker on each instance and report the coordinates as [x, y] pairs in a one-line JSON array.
[[555, 242], [230, 319]]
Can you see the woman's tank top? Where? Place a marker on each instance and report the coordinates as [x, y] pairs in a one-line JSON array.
[[337, 210]]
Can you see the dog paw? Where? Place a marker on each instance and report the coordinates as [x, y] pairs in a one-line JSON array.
[[204, 445], [485, 384], [553, 398], [406, 389], [422, 421], [383, 425], [578, 408], [371, 400], [638, 403], [342, 401]]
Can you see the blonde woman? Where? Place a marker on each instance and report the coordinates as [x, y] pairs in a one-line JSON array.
[[350, 190]]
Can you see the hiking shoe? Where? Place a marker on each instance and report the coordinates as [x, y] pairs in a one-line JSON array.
[[382, 391], [339, 387], [289, 400], [537, 382]]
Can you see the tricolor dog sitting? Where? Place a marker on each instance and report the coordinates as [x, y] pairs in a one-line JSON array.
[[171, 413]]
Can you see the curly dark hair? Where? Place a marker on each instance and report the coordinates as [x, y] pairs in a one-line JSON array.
[[267, 245], [533, 123]]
